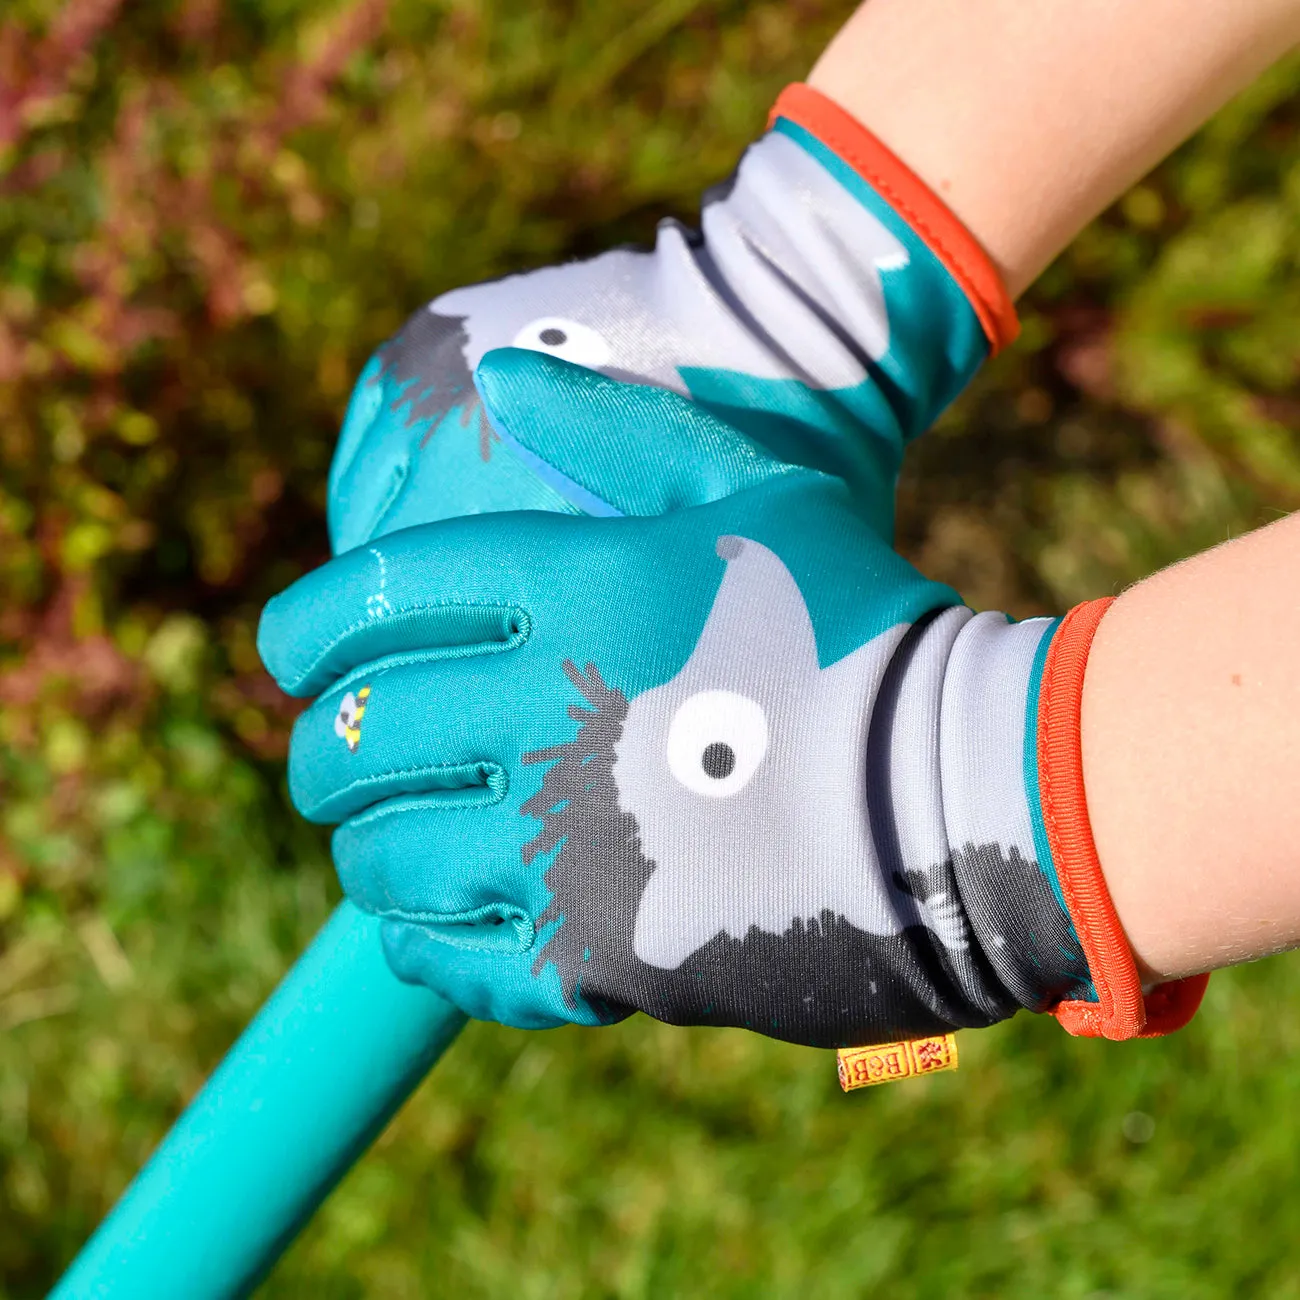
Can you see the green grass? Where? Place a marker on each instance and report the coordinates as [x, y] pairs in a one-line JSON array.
[[648, 1162], [194, 264]]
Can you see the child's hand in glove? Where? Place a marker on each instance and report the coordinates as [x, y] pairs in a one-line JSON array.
[[830, 307], [736, 765]]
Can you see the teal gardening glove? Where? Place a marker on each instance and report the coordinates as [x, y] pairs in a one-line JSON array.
[[738, 765], [829, 307]]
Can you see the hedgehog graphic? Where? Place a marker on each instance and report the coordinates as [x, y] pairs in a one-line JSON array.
[[711, 855]]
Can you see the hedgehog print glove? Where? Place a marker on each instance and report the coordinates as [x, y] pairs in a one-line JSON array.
[[739, 764], [829, 307]]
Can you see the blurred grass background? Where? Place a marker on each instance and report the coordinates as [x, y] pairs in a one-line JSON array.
[[210, 212]]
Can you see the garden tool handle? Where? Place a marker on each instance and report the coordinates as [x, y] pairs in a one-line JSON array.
[[310, 1083]]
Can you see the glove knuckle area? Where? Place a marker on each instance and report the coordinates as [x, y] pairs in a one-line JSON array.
[[461, 588], [473, 783]]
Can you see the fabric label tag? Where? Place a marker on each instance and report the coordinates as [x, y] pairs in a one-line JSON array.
[[862, 1067]]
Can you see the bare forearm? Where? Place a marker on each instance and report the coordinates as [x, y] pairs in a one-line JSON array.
[[1191, 751], [1030, 118]]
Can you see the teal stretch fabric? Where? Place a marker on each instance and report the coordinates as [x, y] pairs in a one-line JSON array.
[[637, 450], [936, 342], [502, 696]]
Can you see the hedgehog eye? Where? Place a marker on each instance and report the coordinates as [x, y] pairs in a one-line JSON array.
[[716, 741], [567, 339]]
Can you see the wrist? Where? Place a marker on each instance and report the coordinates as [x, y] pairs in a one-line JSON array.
[[1122, 1006], [1190, 748], [949, 740], [986, 773], [1001, 859], [1031, 119]]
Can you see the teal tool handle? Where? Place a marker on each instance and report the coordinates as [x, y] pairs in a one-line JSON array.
[[335, 1051]]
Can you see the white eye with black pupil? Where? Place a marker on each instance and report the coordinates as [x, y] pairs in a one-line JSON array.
[[567, 339], [716, 741]]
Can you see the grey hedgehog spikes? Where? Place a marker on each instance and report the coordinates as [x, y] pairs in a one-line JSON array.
[[425, 367], [603, 871]]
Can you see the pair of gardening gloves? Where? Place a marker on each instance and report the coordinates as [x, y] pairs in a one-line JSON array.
[[624, 700]]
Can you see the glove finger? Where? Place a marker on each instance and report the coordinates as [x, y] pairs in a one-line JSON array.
[[458, 869], [460, 908], [408, 729], [416, 444], [370, 458], [438, 591], [610, 447]]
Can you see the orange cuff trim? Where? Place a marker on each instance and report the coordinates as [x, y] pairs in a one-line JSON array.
[[913, 200], [1121, 1010]]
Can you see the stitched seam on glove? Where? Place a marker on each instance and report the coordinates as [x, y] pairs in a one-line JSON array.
[[913, 200], [523, 630], [523, 926], [495, 784], [399, 805]]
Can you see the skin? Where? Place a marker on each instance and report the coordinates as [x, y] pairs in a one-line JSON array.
[[1030, 119], [1191, 743]]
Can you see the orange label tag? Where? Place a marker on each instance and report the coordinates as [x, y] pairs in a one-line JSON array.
[[861, 1067]]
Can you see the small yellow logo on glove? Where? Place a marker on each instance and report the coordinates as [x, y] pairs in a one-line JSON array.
[[347, 725], [862, 1067]]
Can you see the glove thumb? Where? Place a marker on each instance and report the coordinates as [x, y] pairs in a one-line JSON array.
[[611, 447]]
